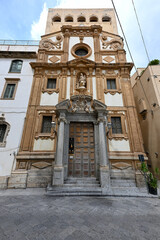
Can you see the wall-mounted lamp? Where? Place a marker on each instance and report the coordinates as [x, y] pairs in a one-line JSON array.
[[109, 126], [53, 126], [156, 154]]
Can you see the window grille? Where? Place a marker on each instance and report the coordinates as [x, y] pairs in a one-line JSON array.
[[116, 125], [46, 124]]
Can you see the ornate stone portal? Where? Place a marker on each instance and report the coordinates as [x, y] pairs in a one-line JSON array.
[[81, 108]]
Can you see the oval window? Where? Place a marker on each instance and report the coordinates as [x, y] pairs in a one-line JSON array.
[[81, 52]]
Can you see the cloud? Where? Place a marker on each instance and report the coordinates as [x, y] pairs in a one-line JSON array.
[[38, 28]]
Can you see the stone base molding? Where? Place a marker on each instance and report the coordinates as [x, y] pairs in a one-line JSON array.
[[58, 176]]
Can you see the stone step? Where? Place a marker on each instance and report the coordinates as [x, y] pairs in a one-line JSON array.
[[81, 181], [130, 192], [82, 185], [123, 183], [74, 191]]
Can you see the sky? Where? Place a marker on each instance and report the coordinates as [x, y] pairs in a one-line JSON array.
[[26, 19]]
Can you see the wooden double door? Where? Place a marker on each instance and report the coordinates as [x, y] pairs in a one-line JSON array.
[[81, 161]]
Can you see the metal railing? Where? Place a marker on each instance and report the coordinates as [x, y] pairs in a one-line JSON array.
[[20, 42]]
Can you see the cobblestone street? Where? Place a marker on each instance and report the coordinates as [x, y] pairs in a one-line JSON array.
[[38, 217]]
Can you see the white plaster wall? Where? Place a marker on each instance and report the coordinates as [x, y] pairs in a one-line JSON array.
[[68, 88], [16, 121], [14, 110], [87, 40], [43, 145], [94, 87], [113, 100], [49, 99], [119, 145]]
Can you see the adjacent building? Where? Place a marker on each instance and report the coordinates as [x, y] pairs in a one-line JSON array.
[[146, 89], [16, 77], [81, 121]]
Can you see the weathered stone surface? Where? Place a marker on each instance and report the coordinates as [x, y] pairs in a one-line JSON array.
[[140, 180], [39, 177], [76, 218], [18, 179], [3, 182]]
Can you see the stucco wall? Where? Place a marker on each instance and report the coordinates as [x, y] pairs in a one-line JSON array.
[[14, 110], [49, 99]]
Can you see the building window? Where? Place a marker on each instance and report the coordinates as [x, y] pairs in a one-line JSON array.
[[81, 19], [46, 124], [51, 83], [16, 66], [81, 52], [56, 19], [9, 91], [111, 83], [3, 128], [116, 125], [93, 19], [69, 19], [106, 19], [10, 88]]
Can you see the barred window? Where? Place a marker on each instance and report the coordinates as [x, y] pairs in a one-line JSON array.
[[116, 125], [51, 83], [16, 66], [3, 128], [46, 124], [111, 83]]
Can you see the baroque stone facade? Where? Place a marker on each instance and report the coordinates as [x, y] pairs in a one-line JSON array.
[[81, 119]]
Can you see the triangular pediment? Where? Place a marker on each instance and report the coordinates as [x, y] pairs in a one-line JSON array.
[[81, 62]]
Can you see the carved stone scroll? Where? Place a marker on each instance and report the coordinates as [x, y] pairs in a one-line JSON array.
[[48, 44]]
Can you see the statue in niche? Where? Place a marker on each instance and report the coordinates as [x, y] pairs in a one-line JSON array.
[[81, 84]]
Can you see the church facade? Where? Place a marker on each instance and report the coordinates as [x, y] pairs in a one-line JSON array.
[[81, 121]]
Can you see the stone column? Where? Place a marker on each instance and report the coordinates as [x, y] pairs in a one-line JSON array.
[[58, 174], [104, 162]]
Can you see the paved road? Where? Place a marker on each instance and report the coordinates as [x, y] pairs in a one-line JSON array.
[[38, 217]]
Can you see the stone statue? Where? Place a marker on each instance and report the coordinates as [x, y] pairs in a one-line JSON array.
[[82, 81]]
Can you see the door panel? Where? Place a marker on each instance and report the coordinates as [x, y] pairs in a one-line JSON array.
[[81, 159]]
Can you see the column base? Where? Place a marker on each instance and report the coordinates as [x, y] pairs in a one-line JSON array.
[[105, 177], [58, 176], [140, 180]]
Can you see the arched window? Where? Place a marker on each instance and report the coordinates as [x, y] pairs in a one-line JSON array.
[[69, 19], [106, 19], [81, 19], [16, 66], [56, 19], [4, 129], [93, 19]]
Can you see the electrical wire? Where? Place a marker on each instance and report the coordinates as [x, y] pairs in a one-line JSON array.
[[145, 47], [130, 53]]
